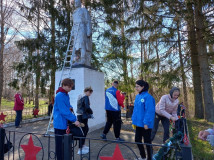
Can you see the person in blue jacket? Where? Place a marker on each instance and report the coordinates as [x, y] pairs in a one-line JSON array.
[[61, 114], [113, 101], [143, 118]]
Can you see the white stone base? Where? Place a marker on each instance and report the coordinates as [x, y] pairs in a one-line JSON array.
[[85, 77]]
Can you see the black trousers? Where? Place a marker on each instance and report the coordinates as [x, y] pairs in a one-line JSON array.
[[50, 108], [85, 129], [59, 146], [146, 135], [113, 117], [165, 123]]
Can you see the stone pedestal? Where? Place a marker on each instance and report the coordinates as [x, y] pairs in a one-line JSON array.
[[85, 77]]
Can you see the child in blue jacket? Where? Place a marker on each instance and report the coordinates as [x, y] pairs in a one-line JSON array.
[[62, 114], [143, 118]]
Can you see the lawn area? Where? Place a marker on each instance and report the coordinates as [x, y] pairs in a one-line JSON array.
[[8, 105], [202, 150], [7, 108], [27, 113]]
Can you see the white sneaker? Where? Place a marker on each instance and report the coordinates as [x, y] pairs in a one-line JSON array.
[[85, 147], [84, 151]]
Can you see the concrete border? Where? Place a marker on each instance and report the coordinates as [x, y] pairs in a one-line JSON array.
[[26, 121]]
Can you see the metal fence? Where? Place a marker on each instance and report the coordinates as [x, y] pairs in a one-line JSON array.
[[27, 113], [42, 147]]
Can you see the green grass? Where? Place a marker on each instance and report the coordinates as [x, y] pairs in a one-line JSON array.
[[202, 150], [27, 113], [7, 104], [7, 108]]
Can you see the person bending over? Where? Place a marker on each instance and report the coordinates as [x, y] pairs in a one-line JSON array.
[[84, 112], [61, 114], [166, 110]]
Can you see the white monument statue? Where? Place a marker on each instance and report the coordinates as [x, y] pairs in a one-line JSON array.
[[84, 76], [82, 36]]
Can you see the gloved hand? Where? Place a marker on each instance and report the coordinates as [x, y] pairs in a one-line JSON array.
[[133, 126], [210, 139]]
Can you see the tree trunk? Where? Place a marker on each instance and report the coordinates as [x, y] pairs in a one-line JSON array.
[[32, 91], [183, 76], [1, 52], [28, 91], [199, 109], [125, 72], [53, 61], [38, 71], [158, 58], [141, 56], [124, 54], [203, 61]]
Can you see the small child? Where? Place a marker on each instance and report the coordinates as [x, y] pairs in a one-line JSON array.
[[203, 134]]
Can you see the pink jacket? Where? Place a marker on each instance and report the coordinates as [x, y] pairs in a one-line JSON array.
[[167, 107], [18, 102]]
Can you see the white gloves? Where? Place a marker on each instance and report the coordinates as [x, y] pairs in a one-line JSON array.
[[210, 139]]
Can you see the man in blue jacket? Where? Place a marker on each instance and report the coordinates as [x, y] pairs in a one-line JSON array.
[[61, 114], [113, 100]]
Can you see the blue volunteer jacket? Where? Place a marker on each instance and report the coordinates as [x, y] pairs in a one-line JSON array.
[[61, 111], [111, 102], [144, 110]]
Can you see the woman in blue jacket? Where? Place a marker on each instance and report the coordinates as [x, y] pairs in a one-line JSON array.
[[143, 118]]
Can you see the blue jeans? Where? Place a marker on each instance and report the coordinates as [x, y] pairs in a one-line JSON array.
[[18, 118]]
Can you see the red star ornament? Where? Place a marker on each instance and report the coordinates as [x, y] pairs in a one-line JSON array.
[[30, 150], [116, 156], [35, 112], [2, 117]]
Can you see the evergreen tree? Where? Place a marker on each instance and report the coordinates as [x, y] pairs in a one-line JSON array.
[[196, 78]]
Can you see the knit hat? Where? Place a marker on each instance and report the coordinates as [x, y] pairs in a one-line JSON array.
[[173, 90], [144, 84]]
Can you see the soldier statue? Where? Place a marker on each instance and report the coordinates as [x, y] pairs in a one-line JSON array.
[[82, 36]]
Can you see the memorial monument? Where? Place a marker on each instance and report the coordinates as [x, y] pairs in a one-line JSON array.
[[81, 34], [81, 71]]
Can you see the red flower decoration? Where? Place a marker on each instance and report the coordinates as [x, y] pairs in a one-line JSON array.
[[35, 112], [2, 117], [30, 150], [116, 156]]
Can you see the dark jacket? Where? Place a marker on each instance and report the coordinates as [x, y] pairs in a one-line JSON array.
[[83, 106]]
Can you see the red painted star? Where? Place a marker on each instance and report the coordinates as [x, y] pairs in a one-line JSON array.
[[35, 112], [116, 156], [2, 116], [30, 150]]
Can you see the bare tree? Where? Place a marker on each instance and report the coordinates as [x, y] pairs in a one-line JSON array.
[[183, 76], [11, 56], [6, 12]]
